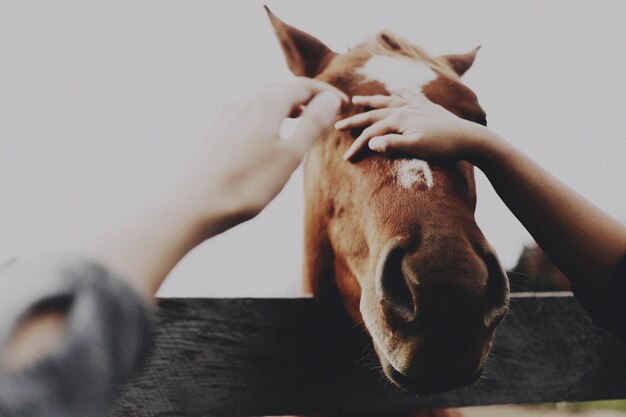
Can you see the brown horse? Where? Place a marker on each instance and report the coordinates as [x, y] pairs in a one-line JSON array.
[[393, 241]]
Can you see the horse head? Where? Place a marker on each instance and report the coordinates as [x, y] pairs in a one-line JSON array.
[[394, 240]]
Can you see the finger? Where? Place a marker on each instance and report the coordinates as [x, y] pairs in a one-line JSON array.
[[276, 102], [378, 101], [301, 90], [362, 119], [395, 143], [317, 118], [377, 129]]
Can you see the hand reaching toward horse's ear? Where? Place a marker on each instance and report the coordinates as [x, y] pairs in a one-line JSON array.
[[230, 178], [251, 163], [417, 128]]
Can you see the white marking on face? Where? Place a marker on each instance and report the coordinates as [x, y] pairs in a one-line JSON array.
[[399, 75], [412, 171], [404, 77]]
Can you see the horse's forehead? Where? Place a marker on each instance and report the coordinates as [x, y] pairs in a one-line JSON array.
[[402, 76], [399, 75], [413, 171], [406, 172]]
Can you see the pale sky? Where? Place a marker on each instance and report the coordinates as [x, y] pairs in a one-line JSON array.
[[102, 102]]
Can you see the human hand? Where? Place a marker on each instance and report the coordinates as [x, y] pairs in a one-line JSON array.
[[417, 128], [249, 163]]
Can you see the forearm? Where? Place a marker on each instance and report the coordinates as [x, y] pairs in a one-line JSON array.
[[150, 244], [582, 240], [142, 252]]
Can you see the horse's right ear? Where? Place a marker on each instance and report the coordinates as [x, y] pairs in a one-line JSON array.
[[460, 63], [306, 55]]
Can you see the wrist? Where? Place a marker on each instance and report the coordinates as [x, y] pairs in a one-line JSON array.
[[214, 210], [486, 147]]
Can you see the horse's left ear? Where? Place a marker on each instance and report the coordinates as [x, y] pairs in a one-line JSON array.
[[461, 62], [306, 55]]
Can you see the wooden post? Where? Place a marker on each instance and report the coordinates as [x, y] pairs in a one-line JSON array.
[[251, 357]]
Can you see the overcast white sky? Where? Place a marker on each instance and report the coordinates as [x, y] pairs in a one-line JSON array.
[[101, 102]]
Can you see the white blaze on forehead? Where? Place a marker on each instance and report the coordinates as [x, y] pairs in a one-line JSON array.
[[398, 74], [402, 76], [412, 171]]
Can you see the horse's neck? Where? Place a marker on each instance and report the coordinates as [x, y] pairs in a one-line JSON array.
[[318, 267], [319, 270]]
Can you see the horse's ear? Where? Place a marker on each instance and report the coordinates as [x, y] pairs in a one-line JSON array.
[[461, 62], [306, 55]]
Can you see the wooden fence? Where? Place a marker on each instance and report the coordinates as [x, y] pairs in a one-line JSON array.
[[251, 357]]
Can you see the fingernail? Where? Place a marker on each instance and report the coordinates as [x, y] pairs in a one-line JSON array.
[[339, 124], [356, 98], [376, 144], [342, 96], [348, 154]]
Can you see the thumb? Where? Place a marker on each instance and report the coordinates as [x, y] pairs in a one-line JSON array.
[[317, 117]]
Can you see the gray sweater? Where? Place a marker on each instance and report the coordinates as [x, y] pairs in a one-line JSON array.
[[108, 336]]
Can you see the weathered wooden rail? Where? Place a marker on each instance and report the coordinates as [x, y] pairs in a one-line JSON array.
[[249, 357]]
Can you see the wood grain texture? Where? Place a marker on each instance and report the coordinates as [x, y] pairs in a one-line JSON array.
[[250, 357]]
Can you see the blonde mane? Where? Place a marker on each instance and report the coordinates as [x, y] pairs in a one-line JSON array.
[[389, 44]]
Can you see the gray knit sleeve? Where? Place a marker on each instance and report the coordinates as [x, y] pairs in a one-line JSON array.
[[107, 337]]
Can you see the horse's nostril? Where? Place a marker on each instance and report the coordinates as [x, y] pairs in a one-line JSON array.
[[391, 282], [497, 292]]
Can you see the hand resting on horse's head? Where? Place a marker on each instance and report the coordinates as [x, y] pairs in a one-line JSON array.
[[253, 164], [414, 127]]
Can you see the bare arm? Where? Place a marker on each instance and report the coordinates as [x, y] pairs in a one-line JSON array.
[[229, 180], [582, 240]]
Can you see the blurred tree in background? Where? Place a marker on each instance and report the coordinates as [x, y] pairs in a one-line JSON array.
[[535, 272]]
